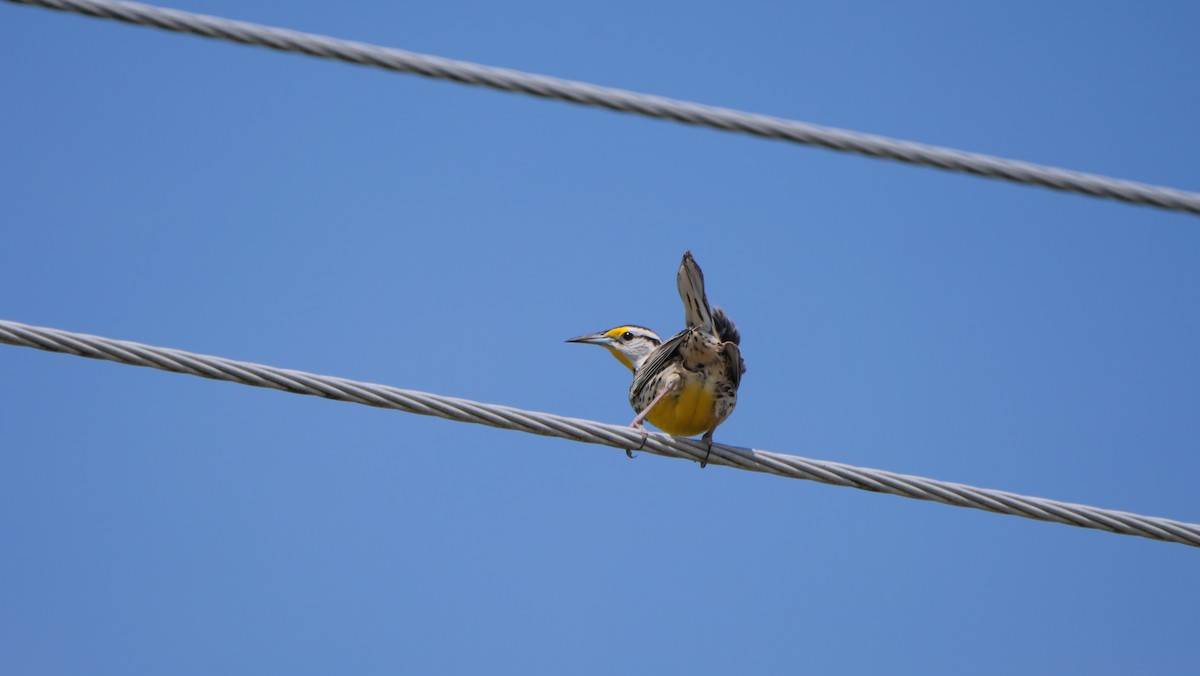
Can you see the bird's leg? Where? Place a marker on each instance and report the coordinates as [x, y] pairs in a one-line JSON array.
[[707, 438], [639, 419]]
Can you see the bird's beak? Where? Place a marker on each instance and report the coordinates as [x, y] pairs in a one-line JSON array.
[[592, 339]]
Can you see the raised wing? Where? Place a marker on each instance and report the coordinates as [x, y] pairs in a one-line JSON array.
[[726, 330], [696, 310]]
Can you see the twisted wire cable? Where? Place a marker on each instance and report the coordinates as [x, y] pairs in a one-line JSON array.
[[726, 119], [575, 429]]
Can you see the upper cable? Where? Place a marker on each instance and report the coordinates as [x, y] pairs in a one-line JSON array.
[[727, 119]]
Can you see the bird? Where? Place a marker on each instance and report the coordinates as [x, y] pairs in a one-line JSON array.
[[687, 384]]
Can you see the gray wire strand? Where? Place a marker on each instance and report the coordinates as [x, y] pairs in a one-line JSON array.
[[575, 429], [726, 119]]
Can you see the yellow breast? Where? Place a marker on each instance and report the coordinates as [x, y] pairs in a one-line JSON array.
[[687, 413]]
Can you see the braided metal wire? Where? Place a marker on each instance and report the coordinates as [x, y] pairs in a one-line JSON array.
[[617, 436], [630, 102]]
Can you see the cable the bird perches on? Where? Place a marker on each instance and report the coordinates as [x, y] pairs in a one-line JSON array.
[[616, 436]]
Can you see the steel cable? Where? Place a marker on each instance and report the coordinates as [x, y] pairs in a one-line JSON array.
[[617, 436], [726, 119]]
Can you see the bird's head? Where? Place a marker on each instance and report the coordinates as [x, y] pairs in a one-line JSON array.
[[629, 344]]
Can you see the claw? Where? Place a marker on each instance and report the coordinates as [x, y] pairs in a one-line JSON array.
[[637, 425], [708, 438]]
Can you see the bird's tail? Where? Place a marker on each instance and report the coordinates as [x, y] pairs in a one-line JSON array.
[[696, 310]]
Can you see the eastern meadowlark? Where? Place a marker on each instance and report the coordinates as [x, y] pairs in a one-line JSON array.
[[688, 384]]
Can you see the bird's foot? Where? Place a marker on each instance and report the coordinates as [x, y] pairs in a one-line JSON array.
[[708, 439], [637, 425]]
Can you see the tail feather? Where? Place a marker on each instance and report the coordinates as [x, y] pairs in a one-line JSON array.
[[696, 310]]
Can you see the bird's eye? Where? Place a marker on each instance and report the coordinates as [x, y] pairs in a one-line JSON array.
[[627, 336]]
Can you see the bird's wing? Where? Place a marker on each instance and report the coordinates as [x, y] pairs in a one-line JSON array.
[[726, 330], [696, 310], [734, 364], [659, 358]]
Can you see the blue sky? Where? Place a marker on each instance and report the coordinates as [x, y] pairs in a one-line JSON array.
[[342, 220]]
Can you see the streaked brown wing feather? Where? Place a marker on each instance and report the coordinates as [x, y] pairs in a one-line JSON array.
[[690, 280], [736, 366], [658, 359], [726, 330]]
